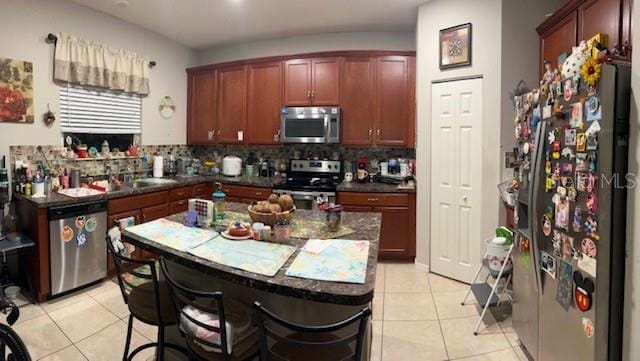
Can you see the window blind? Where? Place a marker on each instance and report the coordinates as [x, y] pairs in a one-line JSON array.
[[85, 110]]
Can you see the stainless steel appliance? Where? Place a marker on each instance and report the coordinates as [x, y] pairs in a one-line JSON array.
[[309, 179], [571, 218], [310, 125], [78, 252]]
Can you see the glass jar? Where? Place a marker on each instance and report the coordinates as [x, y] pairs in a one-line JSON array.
[[282, 230], [334, 218], [219, 203]]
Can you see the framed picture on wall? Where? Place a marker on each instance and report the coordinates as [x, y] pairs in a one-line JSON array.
[[455, 46]]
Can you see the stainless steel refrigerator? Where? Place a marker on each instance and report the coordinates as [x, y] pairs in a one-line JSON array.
[[571, 214]]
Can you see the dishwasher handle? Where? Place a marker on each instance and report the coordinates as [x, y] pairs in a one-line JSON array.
[[77, 209]]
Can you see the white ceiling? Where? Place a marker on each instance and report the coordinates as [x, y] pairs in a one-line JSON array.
[[201, 24]]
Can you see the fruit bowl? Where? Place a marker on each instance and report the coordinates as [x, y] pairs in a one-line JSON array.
[[270, 218]]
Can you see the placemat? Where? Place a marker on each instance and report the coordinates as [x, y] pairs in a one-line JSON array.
[[173, 234], [337, 260], [264, 258]]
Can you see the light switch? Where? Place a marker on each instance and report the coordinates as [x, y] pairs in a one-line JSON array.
[[240, 135]]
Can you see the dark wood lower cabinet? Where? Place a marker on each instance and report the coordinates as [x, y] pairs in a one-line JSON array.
[[398, 229]]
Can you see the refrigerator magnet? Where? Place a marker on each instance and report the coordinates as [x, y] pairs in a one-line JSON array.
[[569, 136], [587, 327], [548, 264], [591, 227], [562, 214], [558, 89], [80, 222], [581, 181], [581, 162], [548, 184], [552, 136], [589, 247], [576, 115], [568, 90], [592, 142], [575, 84], [547, 167], [567, 246], [572, 193], [592, 158], [592, 104], [566, 169], [90, 225], [577, 219], [81, 240], [583, 291], [568, 153], [564, 293], [581, 142], [592, 203], [557, 243], [546, 225], [66, 234], [594, 128], [588, 265], [591, 183], [546, 111]]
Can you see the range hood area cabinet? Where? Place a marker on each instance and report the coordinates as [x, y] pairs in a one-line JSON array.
[[375, 89]]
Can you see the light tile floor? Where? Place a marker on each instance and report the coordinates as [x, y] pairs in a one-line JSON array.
[[416, 316]]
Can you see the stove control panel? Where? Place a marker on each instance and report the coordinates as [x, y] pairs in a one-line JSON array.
[[316, 166]]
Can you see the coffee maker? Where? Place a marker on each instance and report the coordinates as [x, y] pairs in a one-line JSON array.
[[362, 169]]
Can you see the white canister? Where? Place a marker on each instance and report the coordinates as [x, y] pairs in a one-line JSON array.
[[232, 166], [38, 189], [158, 166], [384, 168]]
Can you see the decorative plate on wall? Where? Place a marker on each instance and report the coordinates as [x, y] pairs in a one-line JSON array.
[[167, 107], [455, 46]]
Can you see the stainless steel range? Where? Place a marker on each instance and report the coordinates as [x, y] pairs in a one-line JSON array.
[[311, 179]]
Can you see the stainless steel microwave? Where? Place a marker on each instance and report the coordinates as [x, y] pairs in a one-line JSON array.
[[310, 125]]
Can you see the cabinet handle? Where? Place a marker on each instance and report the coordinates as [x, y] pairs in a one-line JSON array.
[[378, 133], [219, 131], [258, 193], [313, 94], [372, 199], [370, 133], [211, 134]]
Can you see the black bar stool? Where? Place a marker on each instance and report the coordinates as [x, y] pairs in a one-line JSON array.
[[200, 312], [295, 342], [147, 298]]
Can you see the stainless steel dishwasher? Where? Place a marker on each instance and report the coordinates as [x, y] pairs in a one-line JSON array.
[[77, 248]]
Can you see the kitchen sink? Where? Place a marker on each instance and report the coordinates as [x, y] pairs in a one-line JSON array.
[[150, 182]]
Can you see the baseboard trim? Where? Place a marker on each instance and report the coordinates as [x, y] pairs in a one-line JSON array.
[[422, 266]]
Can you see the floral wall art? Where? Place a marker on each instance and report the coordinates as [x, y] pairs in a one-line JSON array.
[[16, 91]]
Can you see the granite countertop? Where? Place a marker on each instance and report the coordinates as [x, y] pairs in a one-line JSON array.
[[367, 226], [373, 188], [127, 190]]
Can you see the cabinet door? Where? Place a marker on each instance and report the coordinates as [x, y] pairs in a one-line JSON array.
[[397, 233], [392, 101], [600, 16], [232, 104], [559, 39], [201, 103], [154, 212], [297, 82], [358, 100], [325, 83], [264, 103]]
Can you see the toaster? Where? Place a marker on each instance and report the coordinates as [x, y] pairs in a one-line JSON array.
[[204, 209]]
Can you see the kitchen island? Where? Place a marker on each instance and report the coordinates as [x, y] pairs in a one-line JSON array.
[[304, 301]]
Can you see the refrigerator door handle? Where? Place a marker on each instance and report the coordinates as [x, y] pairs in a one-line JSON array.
[[534, 184]]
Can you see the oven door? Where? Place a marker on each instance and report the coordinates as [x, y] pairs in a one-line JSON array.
[[309, 129]]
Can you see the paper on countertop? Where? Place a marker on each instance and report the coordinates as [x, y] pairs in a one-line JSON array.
[[316, 246]]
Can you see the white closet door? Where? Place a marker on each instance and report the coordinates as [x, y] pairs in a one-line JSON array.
[[456, 176]]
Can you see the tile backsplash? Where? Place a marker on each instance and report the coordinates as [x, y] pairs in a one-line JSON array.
[[53, 157]]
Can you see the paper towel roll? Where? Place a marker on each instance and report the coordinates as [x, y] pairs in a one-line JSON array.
[[158, 166]]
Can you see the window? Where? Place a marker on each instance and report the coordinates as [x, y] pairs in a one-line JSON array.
[[94, 111]]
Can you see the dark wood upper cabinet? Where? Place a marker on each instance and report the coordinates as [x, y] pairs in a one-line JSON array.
[[358, 100], [265, 101], [393, 101], [232, 104], [325, 81], [579, 20], [297, 82], [201, 105], [600, 16]]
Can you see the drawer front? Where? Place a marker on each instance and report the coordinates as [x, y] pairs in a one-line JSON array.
[[179, 206], [256, 193], [155, 212], [126, 204], [374, 199], [202, 189], [181, 193]]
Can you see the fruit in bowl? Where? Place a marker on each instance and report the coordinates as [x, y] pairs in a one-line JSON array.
[[274, 208], [239, 229]]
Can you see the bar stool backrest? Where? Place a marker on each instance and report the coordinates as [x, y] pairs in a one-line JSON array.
[[202, 301], [274, 329]]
